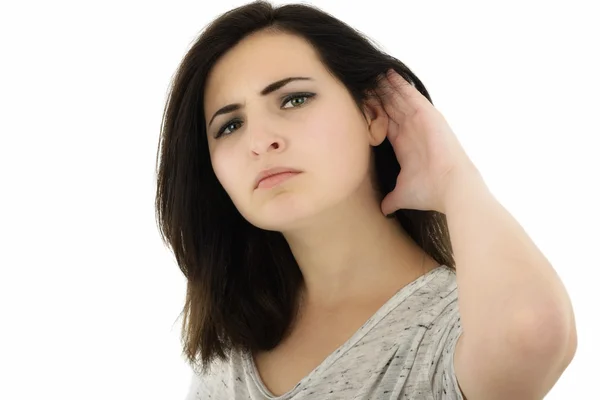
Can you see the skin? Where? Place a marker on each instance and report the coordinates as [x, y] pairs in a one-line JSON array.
[[519, 331], [330, 214]]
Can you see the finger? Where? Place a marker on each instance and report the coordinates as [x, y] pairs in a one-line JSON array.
[[392, 97], [389, 204], [408, 92], [393, 134]]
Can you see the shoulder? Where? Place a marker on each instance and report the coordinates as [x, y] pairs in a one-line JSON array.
[[439, 316], [218, 382], [436, 297]]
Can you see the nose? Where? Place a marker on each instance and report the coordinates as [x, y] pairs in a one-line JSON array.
[[263, 140]]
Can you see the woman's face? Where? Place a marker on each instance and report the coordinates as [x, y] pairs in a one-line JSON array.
[[319, 132]]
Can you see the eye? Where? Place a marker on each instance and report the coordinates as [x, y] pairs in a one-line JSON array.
[[222, 130], [297, 96], [287, 99]]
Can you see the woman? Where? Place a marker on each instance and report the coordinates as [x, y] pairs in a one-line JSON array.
[[310, 199]]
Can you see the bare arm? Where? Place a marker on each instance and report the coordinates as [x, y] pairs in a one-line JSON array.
[[518, 326]]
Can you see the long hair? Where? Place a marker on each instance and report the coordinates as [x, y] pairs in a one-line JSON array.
[[243, 282]]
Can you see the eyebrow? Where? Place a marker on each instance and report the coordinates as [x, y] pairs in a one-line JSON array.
[[267, 90]]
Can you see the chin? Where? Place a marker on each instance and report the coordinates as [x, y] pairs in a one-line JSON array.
[[287, 210], [282, 215], [280, 221]]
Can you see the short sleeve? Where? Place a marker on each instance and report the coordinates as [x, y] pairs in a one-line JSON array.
[[445, 384]]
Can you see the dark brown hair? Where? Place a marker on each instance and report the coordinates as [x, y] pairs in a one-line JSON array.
[[242, 281]]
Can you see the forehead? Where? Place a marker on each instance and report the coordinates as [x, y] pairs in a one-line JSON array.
[[256, 61]]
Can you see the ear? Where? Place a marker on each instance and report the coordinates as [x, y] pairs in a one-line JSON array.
[[377, 119]]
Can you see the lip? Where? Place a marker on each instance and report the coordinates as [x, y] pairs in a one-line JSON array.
[[270, 172]]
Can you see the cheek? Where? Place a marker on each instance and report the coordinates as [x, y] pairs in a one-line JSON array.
[[340, 147], [224, 168]]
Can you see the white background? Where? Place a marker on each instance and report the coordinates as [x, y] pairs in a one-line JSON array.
[[89, 296]]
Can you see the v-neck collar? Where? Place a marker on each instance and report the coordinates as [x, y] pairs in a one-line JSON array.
[[386, 308]]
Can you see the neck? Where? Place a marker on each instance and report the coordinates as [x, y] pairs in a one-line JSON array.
[[353, 254]]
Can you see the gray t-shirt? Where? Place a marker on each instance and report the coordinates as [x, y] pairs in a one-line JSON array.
[[404, 351]]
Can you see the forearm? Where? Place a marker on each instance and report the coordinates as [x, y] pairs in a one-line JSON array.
[[507, 289]]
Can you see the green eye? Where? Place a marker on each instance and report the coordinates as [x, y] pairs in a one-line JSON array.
[[227, 125], [287, 99], [297, 96]]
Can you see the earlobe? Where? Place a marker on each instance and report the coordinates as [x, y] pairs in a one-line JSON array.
[[377, 120]]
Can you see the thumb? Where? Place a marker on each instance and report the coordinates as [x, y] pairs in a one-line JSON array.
[[389, 204]]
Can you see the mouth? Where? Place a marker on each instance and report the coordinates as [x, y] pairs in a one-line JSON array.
[[272, 178]]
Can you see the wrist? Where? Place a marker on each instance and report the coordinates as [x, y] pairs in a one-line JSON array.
[[464, 186]]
